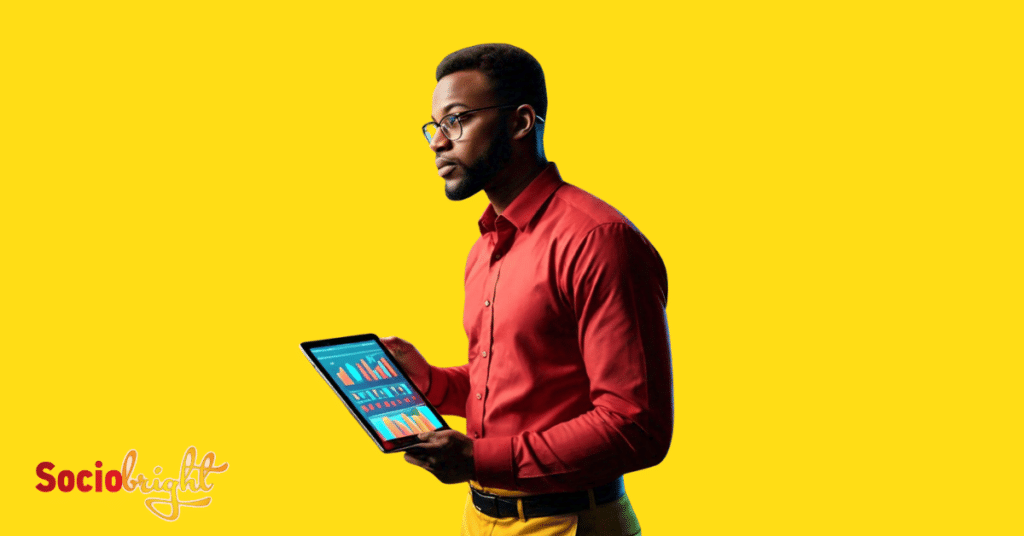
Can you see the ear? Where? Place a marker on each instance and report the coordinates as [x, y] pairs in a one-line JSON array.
[[524, 123]]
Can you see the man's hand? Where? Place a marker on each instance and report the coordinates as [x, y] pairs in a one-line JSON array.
[[410, 360], [447, 454]]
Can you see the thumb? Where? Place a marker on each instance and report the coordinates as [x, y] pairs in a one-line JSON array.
[[394, 343]]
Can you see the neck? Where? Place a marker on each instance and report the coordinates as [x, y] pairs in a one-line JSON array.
[[512, 181]]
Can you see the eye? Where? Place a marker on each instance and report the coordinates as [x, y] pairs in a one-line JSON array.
[[450, 120]]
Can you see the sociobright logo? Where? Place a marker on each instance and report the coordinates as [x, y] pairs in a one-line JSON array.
[[86, 481]]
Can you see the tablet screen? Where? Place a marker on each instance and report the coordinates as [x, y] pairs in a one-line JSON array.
[[377, 389]]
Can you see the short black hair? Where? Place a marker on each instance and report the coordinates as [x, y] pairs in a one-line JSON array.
[[515, 75]]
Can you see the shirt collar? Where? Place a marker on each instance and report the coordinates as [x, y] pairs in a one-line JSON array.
[[525, 206]]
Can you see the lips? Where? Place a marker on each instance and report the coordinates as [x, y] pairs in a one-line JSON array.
[[444, 167]]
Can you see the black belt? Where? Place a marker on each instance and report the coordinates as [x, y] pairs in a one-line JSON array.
[[548, 504]]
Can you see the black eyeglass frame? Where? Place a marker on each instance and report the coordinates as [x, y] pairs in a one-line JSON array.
[[456, 117]]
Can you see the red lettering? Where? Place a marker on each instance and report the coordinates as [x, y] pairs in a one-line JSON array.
[[114, 480], [41, 472], [66, 480], [82, 475]]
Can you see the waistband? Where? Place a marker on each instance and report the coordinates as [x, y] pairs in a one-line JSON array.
[[547, 504]]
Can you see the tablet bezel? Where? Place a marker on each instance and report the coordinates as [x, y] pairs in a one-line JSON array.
[[384, 445]]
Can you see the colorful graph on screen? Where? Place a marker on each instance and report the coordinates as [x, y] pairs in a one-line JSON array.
[[358, 363], [379, 392], [405, 422], [362, 371]]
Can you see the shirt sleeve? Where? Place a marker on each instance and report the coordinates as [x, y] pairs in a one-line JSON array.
[[618, 289], [449, 389]]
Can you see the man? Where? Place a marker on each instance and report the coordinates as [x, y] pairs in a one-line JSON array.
[[568, 382]]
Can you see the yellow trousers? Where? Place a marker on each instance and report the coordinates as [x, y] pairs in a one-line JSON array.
[[611, 519]]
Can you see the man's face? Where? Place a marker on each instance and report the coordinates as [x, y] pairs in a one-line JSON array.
[[470, 163]]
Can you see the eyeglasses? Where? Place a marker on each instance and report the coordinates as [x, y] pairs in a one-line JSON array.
[[451, 124]]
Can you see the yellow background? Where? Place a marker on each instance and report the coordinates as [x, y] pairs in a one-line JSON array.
[[191, 189]]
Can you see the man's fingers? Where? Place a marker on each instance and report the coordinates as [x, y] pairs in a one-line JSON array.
[[409, 359], [446, 454], [434, 441], [392, 343], [418, 461]]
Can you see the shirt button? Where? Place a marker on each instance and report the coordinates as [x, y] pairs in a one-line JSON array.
[[476, 435], [497, 256], [479, 396], [485, 353], [487, 303]]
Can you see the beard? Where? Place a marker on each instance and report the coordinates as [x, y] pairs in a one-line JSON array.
[[480, 173]]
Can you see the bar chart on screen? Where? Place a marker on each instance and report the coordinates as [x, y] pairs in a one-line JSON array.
[[368, 379], [357, 363], [384, 397], [363, 371], [405, 422]]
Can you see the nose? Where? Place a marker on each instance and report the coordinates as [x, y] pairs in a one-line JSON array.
[[439, 141]]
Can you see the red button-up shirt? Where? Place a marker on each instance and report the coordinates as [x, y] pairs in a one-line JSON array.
[[569, 381]]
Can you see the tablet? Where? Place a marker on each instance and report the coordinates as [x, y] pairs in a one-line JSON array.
[[375, 390]]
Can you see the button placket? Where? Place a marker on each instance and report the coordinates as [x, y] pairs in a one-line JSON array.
[[497, 249]]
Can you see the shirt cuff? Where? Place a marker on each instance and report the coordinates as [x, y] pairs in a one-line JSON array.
[[492, 461], [437, 386]]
